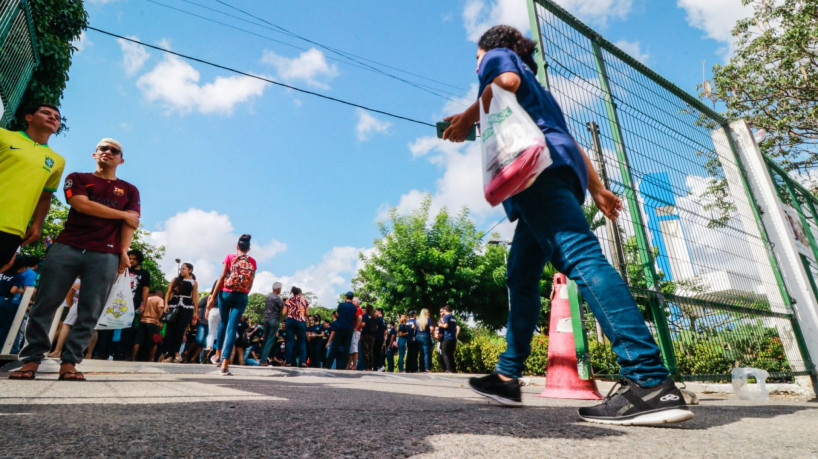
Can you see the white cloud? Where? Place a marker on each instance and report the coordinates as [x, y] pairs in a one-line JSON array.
[[175, 84], [368, 125], [81, 42], [134, 56], [478, 16], [716, 18], [634, 49], [203, 239], [310, 66]]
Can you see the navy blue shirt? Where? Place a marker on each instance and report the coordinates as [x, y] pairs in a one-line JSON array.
[[403, 328], [541, 105], [316, 329], [346, 315], [381, 328], [450, 332], [412, 328]]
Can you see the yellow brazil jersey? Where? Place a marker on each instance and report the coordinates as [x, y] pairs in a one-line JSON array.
[[26, 170]]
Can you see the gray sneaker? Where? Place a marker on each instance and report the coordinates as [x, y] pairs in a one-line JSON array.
[[633, 405]]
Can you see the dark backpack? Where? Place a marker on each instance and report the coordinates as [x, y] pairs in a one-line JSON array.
[[241, 274]]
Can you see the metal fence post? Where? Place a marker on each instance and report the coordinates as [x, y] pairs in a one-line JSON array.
[[536, 34], [645, 254]]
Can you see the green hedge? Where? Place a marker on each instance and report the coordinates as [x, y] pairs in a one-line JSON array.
[[480, 354]]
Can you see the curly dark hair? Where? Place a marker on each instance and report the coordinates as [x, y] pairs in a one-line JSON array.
[[503, 36]]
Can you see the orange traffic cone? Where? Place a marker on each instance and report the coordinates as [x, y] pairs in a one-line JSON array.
[[562, 379]]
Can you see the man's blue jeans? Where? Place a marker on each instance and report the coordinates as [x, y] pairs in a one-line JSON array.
[[231, 308], [552, 227]]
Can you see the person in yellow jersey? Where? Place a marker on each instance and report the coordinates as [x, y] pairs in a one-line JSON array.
[[30, 173]]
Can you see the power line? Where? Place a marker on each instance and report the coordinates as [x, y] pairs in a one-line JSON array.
[[494, 226], [277, 83], [349, 60]]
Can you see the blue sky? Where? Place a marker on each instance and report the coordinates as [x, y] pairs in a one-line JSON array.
[[216, 154]]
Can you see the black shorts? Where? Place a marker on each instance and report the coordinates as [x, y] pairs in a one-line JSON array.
[[9, 243], [148, 334]]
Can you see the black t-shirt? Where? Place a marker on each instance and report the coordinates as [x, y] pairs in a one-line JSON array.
[[381, 328], [139, 279], [370, 328], [202, 309], [314, 329], [325, 330], [391, 336], [281, 334]]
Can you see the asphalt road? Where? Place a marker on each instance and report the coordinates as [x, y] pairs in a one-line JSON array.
[[131, 409]]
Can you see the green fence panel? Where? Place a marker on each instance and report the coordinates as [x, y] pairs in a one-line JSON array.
[[692, 264], [18, 55]]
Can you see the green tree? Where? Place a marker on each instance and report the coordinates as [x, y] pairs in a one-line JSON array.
[[772, 79], [57, 23], [417, 264], [255, 307]]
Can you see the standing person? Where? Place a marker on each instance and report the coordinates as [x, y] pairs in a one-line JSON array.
[[273, 305], [369, 328], [314, 337], [233, 286], [94, 245], [180, 296], [380, 337], [202, 329], [71, 303], [412, 344], [213, 320], [403, 342], [424, 341], [325, 333], [341, 338], [11, 284], [150, 328], [391, 345], [296, 309], [448, 324], [140, 286], [30, 173], [551, 226], [356, 335]]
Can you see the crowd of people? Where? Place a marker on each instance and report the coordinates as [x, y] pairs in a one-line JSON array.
[[105, 210]]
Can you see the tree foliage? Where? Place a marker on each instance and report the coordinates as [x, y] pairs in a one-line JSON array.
[[57, 23], [418, 263], [255, 308], [772, 80]]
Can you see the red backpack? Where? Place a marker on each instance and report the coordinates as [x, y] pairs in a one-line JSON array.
[[241, 274]]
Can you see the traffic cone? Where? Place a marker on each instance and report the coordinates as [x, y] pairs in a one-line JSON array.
[[562, 379]]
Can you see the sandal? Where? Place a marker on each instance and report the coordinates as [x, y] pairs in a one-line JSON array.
[[23, 374], [71, 375]]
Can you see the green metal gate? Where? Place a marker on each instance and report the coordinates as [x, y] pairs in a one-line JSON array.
[[690, 242], [18, 55]]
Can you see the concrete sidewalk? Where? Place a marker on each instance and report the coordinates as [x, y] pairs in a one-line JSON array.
[[141, 409]]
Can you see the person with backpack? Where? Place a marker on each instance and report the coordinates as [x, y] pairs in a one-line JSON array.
[[296, 309], [232, 288]]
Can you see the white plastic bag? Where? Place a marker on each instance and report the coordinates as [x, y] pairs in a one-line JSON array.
[[119, 310], [514, 149]]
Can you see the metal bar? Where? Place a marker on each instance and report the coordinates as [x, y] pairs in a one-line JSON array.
[[785, 295], [565, 16], [797, 205], [24, 3], [614, 238], [718, 305], [780, 170], [536, 34], [580, 338], [645, 255]]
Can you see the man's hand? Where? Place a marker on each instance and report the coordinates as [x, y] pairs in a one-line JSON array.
[[131, 219], [608, 203], [124, 262], [33, 234]]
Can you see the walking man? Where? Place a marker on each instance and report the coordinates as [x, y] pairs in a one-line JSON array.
[[94, 245], [273, 304], [30, 173]]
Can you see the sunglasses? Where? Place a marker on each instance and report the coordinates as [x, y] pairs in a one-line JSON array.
[[106, 148]]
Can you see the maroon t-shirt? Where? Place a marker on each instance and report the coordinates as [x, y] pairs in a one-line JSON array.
[[94, 233]]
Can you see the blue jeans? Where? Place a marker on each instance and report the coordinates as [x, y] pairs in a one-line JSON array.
[[270, 330], [552, 227], [231, 308], [296, 329], [401, 353], [424, 351]]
